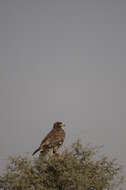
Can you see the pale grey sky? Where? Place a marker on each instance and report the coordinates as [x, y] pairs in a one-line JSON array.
[[62, 60]]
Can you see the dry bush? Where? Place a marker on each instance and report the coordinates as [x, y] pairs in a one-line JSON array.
[[75, 169]]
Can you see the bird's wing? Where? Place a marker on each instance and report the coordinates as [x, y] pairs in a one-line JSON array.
[[53, 138], [46, 141]]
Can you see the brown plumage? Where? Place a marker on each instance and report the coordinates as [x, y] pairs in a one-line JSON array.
[[53, 140]]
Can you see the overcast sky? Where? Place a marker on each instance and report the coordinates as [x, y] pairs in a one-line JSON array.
[[62, 60]]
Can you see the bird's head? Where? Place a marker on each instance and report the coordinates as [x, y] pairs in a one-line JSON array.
[[58, 125]]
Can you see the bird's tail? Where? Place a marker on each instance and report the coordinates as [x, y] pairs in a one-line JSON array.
[[38, 149]]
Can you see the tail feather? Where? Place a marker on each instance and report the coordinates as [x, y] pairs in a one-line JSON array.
[[38, 149]]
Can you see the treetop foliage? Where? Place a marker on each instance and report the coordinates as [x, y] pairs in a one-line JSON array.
[[76, 168]]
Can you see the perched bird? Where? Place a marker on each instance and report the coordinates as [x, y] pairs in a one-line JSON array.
[[53, 140]]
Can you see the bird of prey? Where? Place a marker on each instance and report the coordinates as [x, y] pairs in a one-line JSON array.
[[53, 140]]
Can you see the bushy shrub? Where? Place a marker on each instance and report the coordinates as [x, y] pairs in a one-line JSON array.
[[77, 168]]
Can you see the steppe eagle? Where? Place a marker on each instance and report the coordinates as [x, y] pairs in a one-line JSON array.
[[53, 140]]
